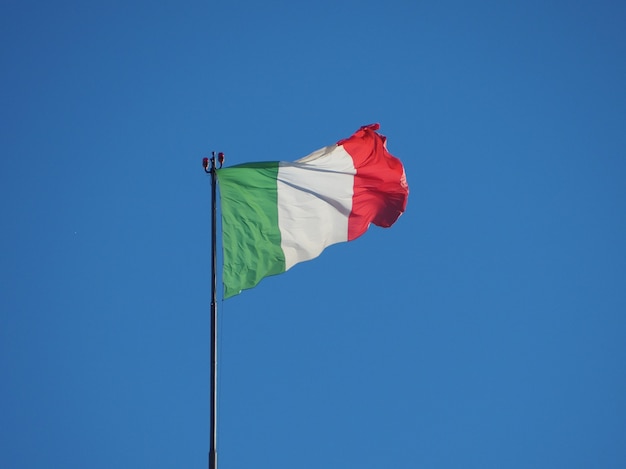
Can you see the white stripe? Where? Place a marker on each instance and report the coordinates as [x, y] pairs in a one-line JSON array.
[[314, 202]]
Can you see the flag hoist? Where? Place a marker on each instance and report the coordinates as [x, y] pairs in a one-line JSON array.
[[276, 214]]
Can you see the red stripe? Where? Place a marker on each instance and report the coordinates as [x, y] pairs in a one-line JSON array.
[[380, 188]]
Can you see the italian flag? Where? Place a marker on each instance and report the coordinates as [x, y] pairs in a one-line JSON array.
[[276, 214]]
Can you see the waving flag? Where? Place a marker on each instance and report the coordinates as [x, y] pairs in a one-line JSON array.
[[276, 214]]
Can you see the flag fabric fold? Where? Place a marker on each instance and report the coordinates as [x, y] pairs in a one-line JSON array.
[[277, 214]]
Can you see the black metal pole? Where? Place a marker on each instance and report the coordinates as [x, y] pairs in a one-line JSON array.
[[213, 431]]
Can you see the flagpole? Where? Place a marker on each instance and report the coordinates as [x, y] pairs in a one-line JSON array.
[[209, 167]]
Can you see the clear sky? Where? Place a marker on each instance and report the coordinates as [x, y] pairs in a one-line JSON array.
[[486, 329]]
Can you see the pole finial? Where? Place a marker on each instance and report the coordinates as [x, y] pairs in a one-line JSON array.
[[209, 163]]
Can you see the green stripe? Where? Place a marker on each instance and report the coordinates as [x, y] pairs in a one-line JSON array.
[[250, 234]]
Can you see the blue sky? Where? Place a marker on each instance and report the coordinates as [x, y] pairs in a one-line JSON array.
[[484, 330]]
